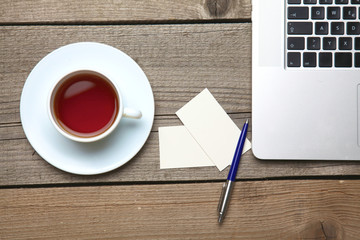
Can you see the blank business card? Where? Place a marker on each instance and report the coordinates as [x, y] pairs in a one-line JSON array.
[[178, 149], [212, 128]]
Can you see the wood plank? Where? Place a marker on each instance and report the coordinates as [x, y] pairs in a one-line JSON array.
[[21, 165], [179, 60], [68, 11], [13, 131], [315, 209]]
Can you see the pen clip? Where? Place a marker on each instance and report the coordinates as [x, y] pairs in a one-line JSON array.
[[222, 196]]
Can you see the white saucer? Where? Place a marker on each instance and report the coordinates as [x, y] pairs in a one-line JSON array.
[[87, 158]]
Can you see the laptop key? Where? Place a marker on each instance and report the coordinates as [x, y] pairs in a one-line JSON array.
[[294, 1], [357, 43], [341, 1], [317, 13], [298, 13], [333, 12], [357, 59], [329, 43], [325, 59], [296, 43], [353, 28], [337, 28], [343, 59], [321, 28], [355, 1], [326, 1], [349, 13], [293, 59], [313, 43], [309, 59], [345, 43], [310, 1], [300, 28]]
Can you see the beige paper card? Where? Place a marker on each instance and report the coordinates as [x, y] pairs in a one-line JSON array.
[[178, 149], [212, 128]]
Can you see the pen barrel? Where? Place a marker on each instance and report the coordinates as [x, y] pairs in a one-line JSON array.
[[238, 151], [225, 197]]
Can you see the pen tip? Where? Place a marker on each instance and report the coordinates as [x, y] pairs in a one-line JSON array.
[[247, 121], [220, 218]]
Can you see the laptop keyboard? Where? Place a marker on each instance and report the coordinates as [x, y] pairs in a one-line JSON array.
[[323, 33]]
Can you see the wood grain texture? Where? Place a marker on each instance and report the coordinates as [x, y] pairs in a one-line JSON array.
[[179, 60], [87, 11], [138, 200], [21, 165], [315, 209]]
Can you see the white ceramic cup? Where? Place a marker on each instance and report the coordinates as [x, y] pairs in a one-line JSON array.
[[122, 111]]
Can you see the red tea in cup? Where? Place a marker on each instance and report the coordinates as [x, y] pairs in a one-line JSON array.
[[85, 104]]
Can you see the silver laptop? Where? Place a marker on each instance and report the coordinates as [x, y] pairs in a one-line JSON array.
[[306, 79]]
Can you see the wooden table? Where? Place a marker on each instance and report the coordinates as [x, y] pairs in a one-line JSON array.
[[183, 47]]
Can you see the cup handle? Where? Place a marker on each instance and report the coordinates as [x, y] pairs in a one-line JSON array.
[[132, 113]]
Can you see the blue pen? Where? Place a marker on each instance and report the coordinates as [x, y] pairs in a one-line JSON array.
[[229, 184]]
